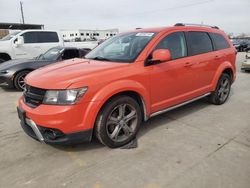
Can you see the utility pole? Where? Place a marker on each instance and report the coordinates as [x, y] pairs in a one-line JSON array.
[[21, 7]]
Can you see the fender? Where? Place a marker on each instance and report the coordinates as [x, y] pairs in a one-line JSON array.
[[102, 96], [225, 65]]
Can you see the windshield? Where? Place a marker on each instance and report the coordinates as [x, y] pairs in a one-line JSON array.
[[10, 36], [51, 55], [121, 48]]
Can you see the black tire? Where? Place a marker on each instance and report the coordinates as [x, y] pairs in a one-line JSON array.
[[222, 92], [19, 80], [111, 127]]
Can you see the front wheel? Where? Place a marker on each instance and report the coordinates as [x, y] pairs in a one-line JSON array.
[[19, 80], [118, 122], [223, 88]]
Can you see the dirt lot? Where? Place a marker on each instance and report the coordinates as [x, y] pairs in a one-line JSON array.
[[199, 145]]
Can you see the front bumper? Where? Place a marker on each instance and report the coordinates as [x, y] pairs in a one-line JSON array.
[[6, 80], [66, 118], [50, 135]]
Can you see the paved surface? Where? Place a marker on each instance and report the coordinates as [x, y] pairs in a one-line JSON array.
[[199, 145]]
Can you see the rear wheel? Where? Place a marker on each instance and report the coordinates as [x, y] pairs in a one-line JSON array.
[[19, 80], [118, 122], [220, 95]]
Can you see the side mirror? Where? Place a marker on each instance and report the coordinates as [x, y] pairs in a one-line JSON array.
[[19, 41], [161, 55]]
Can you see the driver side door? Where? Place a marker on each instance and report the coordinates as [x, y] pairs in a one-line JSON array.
[[30, 48], [171, 82]]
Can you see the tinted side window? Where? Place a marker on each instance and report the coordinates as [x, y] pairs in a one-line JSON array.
[[30, 37], [219, 41], [175, 43], [47, 37], [70, 54], [84, 52], [198, 43]]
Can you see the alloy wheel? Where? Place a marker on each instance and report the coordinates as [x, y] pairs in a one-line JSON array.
[[224, 89], [21, 82], [121, 122]]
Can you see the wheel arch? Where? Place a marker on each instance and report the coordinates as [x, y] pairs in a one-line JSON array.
[[26, 69], [228, 71], [5, 56], [125, 87], [17, 72], [133, 94], [225, 67]]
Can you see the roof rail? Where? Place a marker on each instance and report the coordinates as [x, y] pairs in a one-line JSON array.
[[190, 24]]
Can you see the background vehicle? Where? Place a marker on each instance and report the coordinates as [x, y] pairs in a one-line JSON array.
[[31, 43], [241, 45], [125, 80], [245, 66], [13, 72], [236, 44]]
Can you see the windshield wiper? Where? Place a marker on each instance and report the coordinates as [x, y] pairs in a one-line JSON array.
[[100, 58]]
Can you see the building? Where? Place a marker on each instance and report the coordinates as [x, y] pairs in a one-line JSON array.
[[87, 34]]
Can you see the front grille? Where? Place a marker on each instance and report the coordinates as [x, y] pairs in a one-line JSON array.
[[33, 96]]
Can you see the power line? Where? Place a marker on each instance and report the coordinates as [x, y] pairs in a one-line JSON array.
[[170, 8]]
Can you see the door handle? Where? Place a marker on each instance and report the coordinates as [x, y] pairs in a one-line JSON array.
[[188, 64], [217, 57]]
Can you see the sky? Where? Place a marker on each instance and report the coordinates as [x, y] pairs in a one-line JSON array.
[[233, 16]]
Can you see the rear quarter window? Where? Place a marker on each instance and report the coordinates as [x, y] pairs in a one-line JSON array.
[[219, 41], [47, 37], [198, 43]]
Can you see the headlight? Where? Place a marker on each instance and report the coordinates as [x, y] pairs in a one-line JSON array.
[[68, 96]]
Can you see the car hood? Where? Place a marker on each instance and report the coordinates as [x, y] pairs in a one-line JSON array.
[[16, 63], [63, 74], [9, 64], [4, 45]]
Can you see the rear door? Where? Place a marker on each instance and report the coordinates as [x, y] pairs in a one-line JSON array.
[[223, 51], [201, 60]]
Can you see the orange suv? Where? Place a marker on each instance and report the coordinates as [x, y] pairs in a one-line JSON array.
[[124, 81]]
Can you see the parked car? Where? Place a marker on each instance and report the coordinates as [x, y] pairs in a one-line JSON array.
[[13, 72], [244, 45], [236, 44], [126, 80], [245, 66], [31, 43]]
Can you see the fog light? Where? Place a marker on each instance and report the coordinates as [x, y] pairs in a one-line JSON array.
[[52, 134]]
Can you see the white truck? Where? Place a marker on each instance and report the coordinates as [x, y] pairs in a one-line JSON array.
[[31, 43]]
